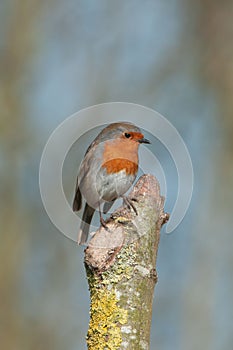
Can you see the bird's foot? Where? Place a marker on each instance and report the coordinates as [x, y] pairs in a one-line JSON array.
[[129, 203], [103, 223]]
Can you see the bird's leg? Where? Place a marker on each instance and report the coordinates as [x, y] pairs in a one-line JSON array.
[[102, 221], [129, 202]]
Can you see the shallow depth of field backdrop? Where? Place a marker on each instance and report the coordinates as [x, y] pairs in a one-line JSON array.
[[58, 57]]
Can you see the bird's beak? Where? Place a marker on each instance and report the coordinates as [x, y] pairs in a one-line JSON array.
[[143, 140]]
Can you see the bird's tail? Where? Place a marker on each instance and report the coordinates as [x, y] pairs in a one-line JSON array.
[[85, 224]]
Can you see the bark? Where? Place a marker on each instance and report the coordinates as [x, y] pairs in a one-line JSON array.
[[121, 271]]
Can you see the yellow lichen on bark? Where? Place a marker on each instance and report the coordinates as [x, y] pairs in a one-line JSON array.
[[106, 319]]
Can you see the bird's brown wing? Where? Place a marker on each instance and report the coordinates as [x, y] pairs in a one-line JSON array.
[[83, 172]]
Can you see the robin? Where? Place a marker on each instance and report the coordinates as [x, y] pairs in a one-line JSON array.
[[108, 170]]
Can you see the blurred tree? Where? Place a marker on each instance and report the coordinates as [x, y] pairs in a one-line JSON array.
[[17, 52], [211, 274]]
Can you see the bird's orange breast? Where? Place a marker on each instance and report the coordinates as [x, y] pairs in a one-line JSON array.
[[116, 165], [119, 155]]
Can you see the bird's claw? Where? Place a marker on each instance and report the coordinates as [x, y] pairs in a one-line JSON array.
[[129, 203], [103, 223]]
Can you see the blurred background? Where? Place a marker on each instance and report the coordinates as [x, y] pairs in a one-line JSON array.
[[59, 57]]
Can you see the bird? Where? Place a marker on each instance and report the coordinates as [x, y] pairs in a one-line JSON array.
[[107, 171]]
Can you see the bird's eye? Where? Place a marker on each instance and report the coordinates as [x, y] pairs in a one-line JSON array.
[[127, 135]]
